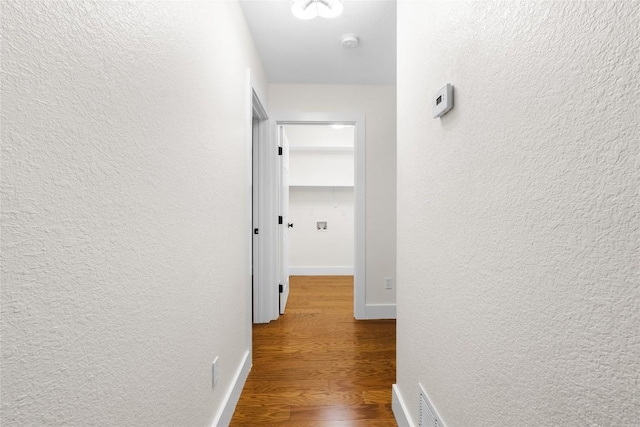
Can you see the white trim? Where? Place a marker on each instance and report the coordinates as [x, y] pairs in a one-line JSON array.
[[249, 206], [321, 271], [360, 188], [265, 291], [268, 223], [358, 121], [399, 408], [380, 311], [230, 401]]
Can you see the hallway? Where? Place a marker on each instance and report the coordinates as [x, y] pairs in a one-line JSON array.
[[317, 365]]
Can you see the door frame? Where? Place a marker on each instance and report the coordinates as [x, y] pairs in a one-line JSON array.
[[263, 265], [357, 120]]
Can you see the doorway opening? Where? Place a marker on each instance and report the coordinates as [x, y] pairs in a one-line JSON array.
[[269, 227], [321, 199], [343, 186]]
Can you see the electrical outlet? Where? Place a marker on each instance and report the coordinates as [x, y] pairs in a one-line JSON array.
[[388, 283], [214, 373]]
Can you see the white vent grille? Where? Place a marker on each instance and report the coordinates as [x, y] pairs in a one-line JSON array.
[[428, 416]]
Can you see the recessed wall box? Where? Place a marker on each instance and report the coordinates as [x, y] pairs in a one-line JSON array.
[[443, 101]]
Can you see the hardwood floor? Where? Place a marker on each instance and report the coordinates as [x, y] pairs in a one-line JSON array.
[[317, 366]]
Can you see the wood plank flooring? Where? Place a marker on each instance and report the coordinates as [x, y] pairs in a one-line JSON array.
[[317, 366]]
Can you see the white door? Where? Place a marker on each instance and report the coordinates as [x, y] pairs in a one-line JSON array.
[[255, 242], [285, 226]]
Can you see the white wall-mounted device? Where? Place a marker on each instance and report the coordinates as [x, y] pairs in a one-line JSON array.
[[443, 101]]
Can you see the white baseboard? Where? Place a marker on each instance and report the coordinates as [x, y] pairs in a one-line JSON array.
[[321, 271], [223, 417], [399, 408], [379, 311]]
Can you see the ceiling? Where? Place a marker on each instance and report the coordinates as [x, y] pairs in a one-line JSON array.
[[297, 51]]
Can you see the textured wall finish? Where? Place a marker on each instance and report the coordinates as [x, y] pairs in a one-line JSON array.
[[124, 250], [379, 105], [518, 212]]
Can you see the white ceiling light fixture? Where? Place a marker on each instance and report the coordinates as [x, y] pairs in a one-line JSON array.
[[350, 41], [309, 9]]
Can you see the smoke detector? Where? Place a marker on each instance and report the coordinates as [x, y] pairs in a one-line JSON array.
[[349, 41]]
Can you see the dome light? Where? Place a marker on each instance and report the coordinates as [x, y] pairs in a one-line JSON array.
[[310, 9]]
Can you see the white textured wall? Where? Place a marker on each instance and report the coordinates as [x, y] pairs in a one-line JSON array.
[[310, 247], [124, 256], [379, 105], [518, 212]]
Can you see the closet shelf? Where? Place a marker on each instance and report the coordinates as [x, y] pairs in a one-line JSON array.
[[321, 148], [321, 185]]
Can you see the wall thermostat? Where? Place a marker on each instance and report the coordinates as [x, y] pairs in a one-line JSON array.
[[443, 101]]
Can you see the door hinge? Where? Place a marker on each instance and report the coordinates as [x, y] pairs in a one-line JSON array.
[[279, 151], [280, 220], [255, 231], [280, 288]]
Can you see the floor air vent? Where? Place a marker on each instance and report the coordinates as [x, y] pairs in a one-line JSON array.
[[428, 416]]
